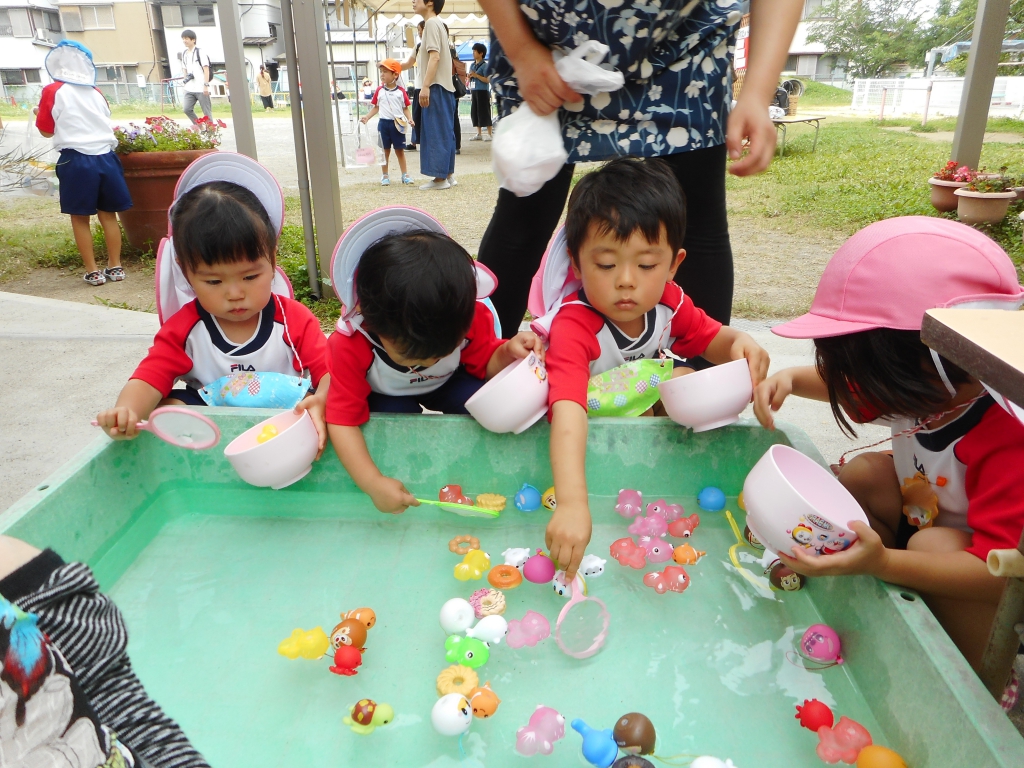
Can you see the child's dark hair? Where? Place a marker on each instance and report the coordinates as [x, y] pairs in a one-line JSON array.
[[418, 290], [627, 195], [883, 372], [480, 48], [220, 223]]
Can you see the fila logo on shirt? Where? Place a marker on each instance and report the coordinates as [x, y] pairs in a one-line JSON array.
[[240, 367]]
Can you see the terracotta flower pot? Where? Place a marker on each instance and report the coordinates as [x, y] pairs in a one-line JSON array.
[[942, 193], [983, 207], [151, 178]]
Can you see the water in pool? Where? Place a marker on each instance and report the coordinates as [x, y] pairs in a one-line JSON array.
[[216, 580]]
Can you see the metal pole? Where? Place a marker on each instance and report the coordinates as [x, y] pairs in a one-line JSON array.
[[927, 102], [355, 75], [238, 94], [334, 84], [982, 65], [300, 146], [881, 112]]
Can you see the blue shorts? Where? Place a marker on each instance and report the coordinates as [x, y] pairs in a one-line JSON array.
[[90, 183], [450, 397], [390, 136]]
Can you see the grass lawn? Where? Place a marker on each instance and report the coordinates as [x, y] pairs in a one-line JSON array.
[[823, 95]]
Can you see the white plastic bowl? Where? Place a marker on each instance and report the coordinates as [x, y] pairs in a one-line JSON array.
[[791, 501], [710, 398], [280, 461], [513, 400]]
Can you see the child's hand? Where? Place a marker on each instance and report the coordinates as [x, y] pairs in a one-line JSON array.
[[316, 407], [520, 345], [410, 121], [539, 82], [757, 358], [363, 119], [769, 396], [120, 423], [567, 536], [867, 555], [391, 496]]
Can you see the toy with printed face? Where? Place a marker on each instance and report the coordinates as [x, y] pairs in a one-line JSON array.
[[312, 644], [672, 579], [843, 741], [685, 554], [364, 615], [634, 734], [599, 747], [684, 527], [592, 565], [473, 565], [366, 715], [467, 651], [821, 643], [490, 630], [628, 553], [658, 550], [651, 525], [752, 540], [538, 737], [484, 701], [349, 632], [785, 579], [663, 509], [529, 630], [346, 659], [630, 503], [837, 542], [451, 715], [527, 498], [803, 535], [563, 587], [920, 502], [453, 495], [548, 499], [517, 556]]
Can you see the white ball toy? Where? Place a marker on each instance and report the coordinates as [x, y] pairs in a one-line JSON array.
[[490, 629], [452, 715], [457, 616]]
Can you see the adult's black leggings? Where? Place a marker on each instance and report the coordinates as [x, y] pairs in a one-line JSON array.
[[520, 228]]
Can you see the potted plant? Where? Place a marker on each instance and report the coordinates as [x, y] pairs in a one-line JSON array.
[[945, 182], [154, 156], [985, 199]]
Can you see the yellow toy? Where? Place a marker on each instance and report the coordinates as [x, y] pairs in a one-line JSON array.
[[309, 645], [492, 501], [367, 714], [548, 499], [473, 565], [267, 433]]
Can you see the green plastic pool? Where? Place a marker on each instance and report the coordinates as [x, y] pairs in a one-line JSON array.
[[212, 574]]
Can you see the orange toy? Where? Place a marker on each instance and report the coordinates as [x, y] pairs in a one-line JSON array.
[[685, 554], [349, 632], [505, 577], [366, 616], [875, 756], [484, 701], [463, 545]]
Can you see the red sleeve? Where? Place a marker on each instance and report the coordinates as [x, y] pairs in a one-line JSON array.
[[375, 94], [44, 120], [348, 359], [573, 346], [692, 328], [307, 337], [482, 342], [993, 453], [167, 359]]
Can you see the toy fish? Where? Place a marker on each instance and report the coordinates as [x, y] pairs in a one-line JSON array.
[[490, 629], [538, 737], [684, 527], [527, 498], [685, 554], [473, 565], [484, 701], [658, 550], [312, 644], [628, 552], [651, 525], [672, 579]]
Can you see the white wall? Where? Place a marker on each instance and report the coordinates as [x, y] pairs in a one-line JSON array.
[[22, 52], [906, 96]]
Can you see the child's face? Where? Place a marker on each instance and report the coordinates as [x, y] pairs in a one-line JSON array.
[[234, 292], [398, 357], [387, 77], [624, 280], [477, 56]]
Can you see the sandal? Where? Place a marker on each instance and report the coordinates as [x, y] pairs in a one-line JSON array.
[[114, 274], [95, 278]]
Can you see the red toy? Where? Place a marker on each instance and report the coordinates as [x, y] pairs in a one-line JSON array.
[[814, 714], [452, 494], [672, 579], [844, 741], [346, 659], [628, 552], [684, 526]]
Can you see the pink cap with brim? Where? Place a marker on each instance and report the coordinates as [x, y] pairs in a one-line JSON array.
[[893, 271]]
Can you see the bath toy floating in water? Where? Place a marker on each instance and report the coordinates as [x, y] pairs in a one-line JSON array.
[[457, 679], [844, 741], [752, 540], [538, 737], [269, 432], [473, 565], [346, 659], [366, 715], [562, 587], [467, 651], [490, 630], [592, 565], [634, 734], [456, 616], [599, 747], [658, 550], [364, 615], [311, 644], [672, 579], [651, 525], [539, 569], [529, 630], [711, 499], [453, 495], [630, 503], [684, 527], [492, 501], [669, 512], [875, 756], [487, 602], [504, 577], [685, 554], [706, 761], [484, 701], [632, 761], [349, 632], [527, 498], [463, 545], [628, 552], [548, 499], [786, 579], [517, 556], [821, 643], [451, 715], [814, 714]]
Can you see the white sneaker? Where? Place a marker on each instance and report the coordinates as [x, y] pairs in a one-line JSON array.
[[477, 138], [432, 184], [452, 180], [488, 137]]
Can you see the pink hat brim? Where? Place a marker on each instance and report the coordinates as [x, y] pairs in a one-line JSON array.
[[812, 326]]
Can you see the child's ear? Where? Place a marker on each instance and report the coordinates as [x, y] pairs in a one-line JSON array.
[[676, 262], [574, 262]]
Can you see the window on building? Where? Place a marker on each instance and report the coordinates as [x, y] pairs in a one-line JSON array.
[[12, 77], [32, 76], [790, 64], [6, 30], [71, 17], [197, 15], [813, 8], [16, 24], [272, 30], [97, 16], [52, 21], [172, 15]]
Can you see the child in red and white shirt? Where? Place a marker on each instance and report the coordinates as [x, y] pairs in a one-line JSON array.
[[392, 103], [623, 232]]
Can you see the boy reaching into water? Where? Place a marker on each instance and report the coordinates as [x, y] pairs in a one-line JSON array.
[[623, 233]]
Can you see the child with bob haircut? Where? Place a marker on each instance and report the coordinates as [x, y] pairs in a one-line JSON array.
[[623, 243], [225, 243], [950, 490], [414, 333]]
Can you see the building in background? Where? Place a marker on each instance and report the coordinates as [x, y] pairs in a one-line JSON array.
[[29, 29], [812, 61], [125, 39]]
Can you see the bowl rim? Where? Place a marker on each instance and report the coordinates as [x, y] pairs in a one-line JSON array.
[[228, 452], [667, 384], [503, 374]]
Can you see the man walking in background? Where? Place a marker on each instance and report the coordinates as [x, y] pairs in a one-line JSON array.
[[196, 66]]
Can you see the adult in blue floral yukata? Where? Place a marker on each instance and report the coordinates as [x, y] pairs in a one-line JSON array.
[[676, 56]]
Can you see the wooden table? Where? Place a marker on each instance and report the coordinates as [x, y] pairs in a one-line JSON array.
[[785, 122]]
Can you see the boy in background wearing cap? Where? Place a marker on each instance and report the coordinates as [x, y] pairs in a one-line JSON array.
[[392, 102], [950, 490]]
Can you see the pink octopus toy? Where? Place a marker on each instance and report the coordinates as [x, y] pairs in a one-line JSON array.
[[630, 503], [538, 737], [843, 741], [652, 525], [658, 550], [529, 630], [684, 526], [672, 579], [627, 552]]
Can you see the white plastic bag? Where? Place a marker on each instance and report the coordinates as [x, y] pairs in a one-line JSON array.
[[528, 150]]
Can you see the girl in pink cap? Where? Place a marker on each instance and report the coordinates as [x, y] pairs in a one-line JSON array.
[[950, 489]]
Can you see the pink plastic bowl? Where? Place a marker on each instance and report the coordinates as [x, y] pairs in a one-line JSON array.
[[791, 501], [513, 400], [710, 398], [280, 461]]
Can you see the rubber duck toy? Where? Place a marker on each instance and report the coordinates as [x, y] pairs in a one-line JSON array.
[[346, 659], [269, 432], [467, 651], [311, 644], [451, 715], [527, 498], [548, 499], [349, 632], [473, 565], [634, 734], [366, 715], [484, 701], [599, 747], [539, 569]]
